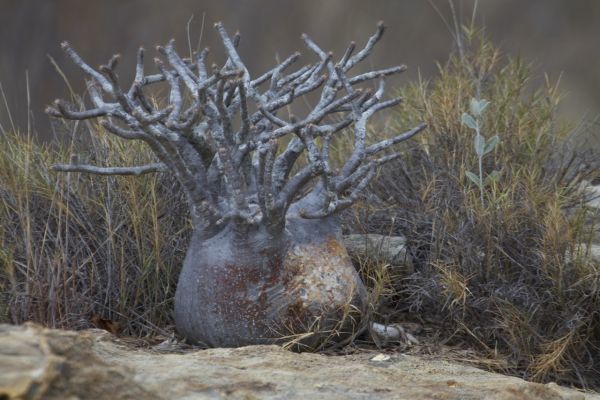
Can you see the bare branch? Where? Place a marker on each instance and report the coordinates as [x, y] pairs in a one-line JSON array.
[[325, 57], [294, 185], [245, 129], [183, 70], [200, 63], [315, 116], [284, 163], [298, 76], [225, 157], [361, 55], [63, 110], [157, 116], [273, 74], [377, 74], [386, 144], [272, 117], [121, 132], [347, 54], [92, 169], [175, 99], [106, 86], [342, 204], [231, 49]]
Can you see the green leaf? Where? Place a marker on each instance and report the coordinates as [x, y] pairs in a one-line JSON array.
[[491, 144], [469, 121], [479, 145], [478, 106], [473, 178], [483, 105], [474, 106], [492, 177]]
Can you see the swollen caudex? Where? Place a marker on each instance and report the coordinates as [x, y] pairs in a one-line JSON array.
[[266, 258]]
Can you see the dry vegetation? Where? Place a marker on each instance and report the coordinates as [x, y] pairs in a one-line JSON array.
[[509, 276], [76, 248]]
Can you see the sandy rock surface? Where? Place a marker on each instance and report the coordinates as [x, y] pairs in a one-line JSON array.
[[38, 363]]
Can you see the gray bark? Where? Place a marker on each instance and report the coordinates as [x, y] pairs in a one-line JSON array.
[[196, 138], [266, 259]]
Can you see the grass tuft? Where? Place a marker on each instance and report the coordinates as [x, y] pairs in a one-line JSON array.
[[77, 248]]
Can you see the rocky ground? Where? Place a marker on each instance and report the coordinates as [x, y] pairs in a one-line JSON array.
[[39, 363]]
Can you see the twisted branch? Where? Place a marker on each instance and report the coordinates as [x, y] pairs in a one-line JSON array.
[[230, 167]]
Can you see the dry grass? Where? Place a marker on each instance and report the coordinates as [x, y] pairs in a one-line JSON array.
[[505, 275], [77, 248]]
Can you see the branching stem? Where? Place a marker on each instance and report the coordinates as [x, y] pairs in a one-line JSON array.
[[226, 157]]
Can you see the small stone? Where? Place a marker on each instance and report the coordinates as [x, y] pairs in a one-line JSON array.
[[381, 357]]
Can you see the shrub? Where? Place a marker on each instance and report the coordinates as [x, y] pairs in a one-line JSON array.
[[505, 268]]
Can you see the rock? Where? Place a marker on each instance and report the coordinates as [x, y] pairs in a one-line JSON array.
[[594, 194], [595, 251], [592, 251], [378, 248], [39, 363]]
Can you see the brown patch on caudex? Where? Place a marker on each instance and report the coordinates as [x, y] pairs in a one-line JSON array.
[[312, 281]]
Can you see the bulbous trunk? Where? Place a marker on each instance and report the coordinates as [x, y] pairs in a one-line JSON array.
[[253, 287], [284, 278]]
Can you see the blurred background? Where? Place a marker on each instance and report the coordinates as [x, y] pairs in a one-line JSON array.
[[558, 36]]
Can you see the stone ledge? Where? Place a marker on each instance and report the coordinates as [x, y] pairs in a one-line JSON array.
[[38, 363]]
